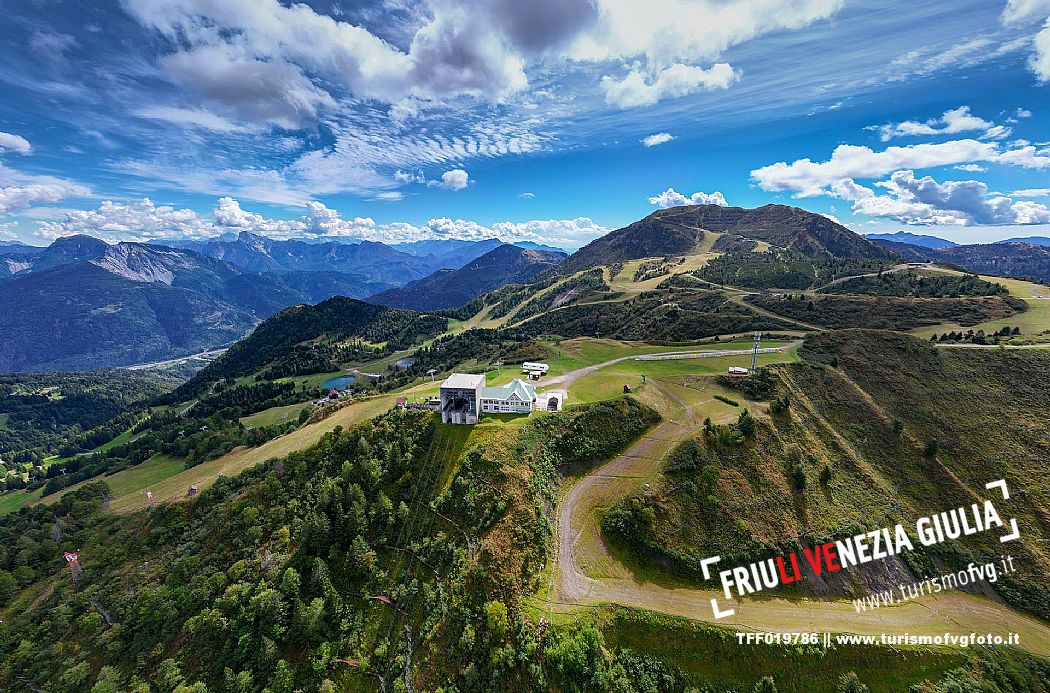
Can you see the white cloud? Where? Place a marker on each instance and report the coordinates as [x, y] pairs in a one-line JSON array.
[[657, 138], [639, 89], [141, 221], [1040, 60], [952, 122], [1031, 192], [51, 46], [20, 190], [970, 168], [672, 198], [133, 221], [190, 118], [456, 179], [526, 195], [964, 54], [914, 200], [1019, 11], [249, 88], [14, 143], [807, 178], [291, 56]]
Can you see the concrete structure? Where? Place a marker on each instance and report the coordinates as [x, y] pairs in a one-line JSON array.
[[551, 400], [516, 397], [461, 398]]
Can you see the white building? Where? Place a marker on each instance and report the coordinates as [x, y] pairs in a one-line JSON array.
[[461, 398], [737, 370], [516, 397], [530, 366]]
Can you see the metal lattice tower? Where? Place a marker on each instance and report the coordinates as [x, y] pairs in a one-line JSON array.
[[754, 354], [75, 571]]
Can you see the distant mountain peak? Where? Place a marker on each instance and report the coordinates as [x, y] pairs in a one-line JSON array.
[[911, 238], [504, 264]]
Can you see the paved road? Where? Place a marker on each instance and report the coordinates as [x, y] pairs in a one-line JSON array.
[[181, 359]]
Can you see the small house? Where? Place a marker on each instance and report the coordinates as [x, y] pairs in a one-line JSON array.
[[402, 402], [737, 370], [530, 366]]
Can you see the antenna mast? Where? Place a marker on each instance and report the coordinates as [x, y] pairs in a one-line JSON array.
[[754, 354]]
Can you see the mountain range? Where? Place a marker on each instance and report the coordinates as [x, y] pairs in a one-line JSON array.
[[912, 238], [82, 303], [1004, 258], [506, 264]]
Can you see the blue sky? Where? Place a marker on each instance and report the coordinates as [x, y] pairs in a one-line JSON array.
[[555, 120]]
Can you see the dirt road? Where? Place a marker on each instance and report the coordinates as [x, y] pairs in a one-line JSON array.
[[587, 572]]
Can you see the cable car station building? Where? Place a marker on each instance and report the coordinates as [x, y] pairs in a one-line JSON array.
[[464, 398]]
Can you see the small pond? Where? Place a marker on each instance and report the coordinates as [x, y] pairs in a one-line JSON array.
[[404, 363], [338, 383]]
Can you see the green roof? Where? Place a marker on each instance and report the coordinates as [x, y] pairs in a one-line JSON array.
[[525, 392]]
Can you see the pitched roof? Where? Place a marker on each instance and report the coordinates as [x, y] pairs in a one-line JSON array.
[[526, 392], [464, 380]]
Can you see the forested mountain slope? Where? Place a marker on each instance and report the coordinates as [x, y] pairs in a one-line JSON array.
[[506, 264]]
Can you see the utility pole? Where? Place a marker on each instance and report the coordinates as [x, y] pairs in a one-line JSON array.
[[498, 365], [754, 354], [431, 373]]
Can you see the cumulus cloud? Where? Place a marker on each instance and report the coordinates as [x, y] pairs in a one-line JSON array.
[[639, 89], [270, 91], [133, 221], [18, 191], [952, 122], [141, 221], [657, 138], [926, 201], [14, 143], [456, 179], [292, 56], [970, 168], [807, 178], [673, 198]]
